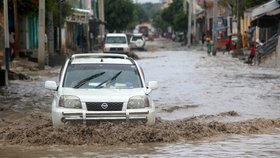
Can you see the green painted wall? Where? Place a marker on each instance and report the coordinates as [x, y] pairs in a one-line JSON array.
[[33, 32]]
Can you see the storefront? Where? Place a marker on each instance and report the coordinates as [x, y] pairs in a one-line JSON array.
[[77, 31]]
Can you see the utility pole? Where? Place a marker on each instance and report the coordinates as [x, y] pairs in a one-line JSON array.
[[185, 11], [50, 34], [194, 21], [59, 25], [185, 6], [239, 41], [41, 38], [101, 17], [7, 44], [16, 51], [214, 24], [190, 22], [205, 18]]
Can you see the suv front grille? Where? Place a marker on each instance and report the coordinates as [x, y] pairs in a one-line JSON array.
[[116, 49], [103, 106]]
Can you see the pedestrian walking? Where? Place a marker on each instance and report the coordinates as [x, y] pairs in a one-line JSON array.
[[252, 54], [203, 38], [251, 31], [209, 46], [245, 40]]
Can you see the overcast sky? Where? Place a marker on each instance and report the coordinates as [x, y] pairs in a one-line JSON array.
[[144, 1]]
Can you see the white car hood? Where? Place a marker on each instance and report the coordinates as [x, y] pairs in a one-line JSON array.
[[108, 95]]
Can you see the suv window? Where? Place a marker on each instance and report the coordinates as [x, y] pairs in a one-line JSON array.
[[135, 38], [116, 39], [127, 76]]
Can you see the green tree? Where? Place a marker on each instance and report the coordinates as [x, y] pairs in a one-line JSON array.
[[140, 14], [151, 9], [119, 14], [175, 16], [52, 6], [27, 7], [180, 21], [158, 22]]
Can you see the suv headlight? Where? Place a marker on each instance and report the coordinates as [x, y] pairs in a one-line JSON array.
[[70, 101], [138, 102]]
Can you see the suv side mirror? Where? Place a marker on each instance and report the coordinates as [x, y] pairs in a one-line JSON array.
[[51, 85], [153, 85]]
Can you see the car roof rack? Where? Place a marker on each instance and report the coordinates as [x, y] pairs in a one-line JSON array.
[[98, 55]]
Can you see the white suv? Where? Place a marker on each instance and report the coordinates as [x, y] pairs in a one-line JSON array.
[[138, 41], [100, 87], [116, 43]]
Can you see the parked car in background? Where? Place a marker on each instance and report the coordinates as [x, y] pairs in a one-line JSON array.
[[101, 87], [137, 41], [116, 43]]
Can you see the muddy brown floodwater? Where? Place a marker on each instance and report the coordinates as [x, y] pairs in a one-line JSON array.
[[36, 129], [26, 129], [34, 133]]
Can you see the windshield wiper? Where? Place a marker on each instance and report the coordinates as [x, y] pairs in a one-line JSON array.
[[110, 80], [84, 81]]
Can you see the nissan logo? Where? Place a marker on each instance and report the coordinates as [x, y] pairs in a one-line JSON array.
[[104, 105]]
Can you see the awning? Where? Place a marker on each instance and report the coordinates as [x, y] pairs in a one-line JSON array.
[[82, 10], [79, 16], [274, 12], [262, 9], [267, 19]]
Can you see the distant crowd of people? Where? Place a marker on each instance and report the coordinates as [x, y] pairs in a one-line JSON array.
[[247, 42]]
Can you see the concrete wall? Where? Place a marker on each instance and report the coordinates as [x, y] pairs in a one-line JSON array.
[[272, 60]]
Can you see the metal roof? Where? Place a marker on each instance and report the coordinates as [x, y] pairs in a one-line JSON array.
[[262, 9]]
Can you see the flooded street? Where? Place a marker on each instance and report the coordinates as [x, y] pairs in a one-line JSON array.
[[235, 146], [206, 107]]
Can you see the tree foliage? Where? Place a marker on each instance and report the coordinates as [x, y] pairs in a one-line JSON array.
[[151, 9], [140, 14], [158, 22], [30, 7], [180, 21], [175, 16], [27, 7], [52, 6], [119, 14]]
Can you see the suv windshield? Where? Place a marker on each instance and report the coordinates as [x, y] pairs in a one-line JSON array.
[[116, 39], [124, 76]]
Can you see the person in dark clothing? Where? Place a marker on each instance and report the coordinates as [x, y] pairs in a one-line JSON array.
[[228, 40], [203, 38], [12, 45], [250, 32]]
